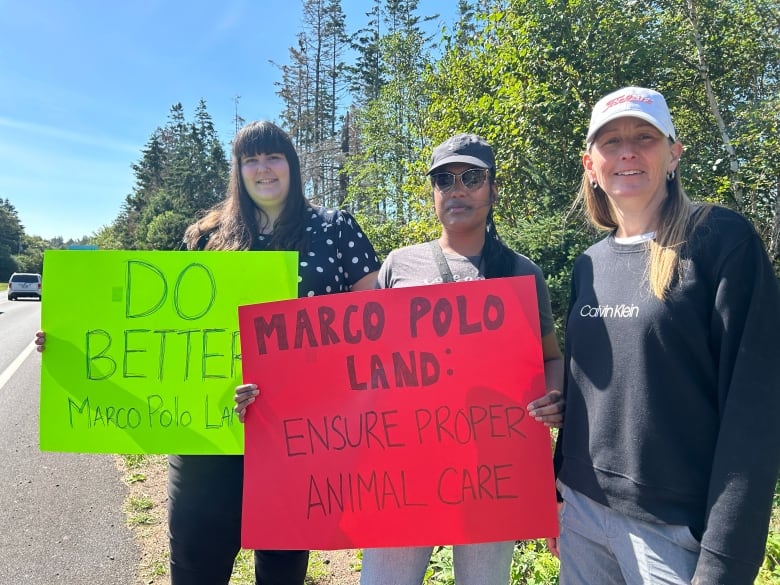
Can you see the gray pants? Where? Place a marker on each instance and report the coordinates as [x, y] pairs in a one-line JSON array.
[[599, 545], [475, 564]]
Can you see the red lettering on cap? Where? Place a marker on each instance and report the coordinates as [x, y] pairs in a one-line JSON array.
[[629, 97]]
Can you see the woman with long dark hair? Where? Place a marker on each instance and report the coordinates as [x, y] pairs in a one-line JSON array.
[[265, 209]]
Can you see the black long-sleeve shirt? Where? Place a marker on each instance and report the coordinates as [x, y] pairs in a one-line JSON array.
[[673, 407]]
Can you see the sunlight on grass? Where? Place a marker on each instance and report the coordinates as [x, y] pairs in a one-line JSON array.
[[136, 477], [134, 461], [317, 568], [138, 511], [243, 569]]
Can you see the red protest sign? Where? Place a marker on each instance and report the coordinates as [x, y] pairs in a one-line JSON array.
[[396, 418]]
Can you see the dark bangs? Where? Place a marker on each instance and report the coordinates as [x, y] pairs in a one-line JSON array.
[[263, 137]]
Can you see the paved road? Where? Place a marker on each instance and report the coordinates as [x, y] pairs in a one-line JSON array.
[[61, 518]]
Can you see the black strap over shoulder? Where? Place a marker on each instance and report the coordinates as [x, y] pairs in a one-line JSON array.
[[441, 262]]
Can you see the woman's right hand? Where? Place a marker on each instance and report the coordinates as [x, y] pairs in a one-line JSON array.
[[245, 395], [40, 340]]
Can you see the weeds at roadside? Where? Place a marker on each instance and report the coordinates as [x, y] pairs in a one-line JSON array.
[[317, 569], [138, 509], [134, 461]]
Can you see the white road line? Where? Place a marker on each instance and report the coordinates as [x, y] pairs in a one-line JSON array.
[[15, 365]]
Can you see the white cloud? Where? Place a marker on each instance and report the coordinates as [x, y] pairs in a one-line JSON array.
[[69, 135]]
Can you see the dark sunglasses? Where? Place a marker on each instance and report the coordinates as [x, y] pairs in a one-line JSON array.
[[471, 179]]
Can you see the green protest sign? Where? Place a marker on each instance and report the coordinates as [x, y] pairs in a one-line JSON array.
[[142, 348]]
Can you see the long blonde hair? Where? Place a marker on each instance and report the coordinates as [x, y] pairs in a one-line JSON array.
[[674, 225]]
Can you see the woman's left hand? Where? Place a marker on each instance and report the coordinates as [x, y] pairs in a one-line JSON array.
[[548, 409]]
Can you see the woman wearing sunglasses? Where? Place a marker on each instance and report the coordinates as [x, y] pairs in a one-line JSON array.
[[462, 173]]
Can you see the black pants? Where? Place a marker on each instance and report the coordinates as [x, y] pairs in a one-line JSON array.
[[204, 525]]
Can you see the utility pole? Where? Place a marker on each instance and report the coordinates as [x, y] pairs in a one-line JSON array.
[[238, 120]]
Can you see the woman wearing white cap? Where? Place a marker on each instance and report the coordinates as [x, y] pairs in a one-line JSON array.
[[462, 173], [669, 455]]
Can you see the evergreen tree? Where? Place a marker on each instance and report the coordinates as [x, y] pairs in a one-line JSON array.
[[11, 233], [366, 75], [182, 172], [390, 123]]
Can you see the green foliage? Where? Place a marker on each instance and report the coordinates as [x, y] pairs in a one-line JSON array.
[[553, 241], [390, 124], [441, 569], [165, 230], [137, 508], [134, 461], [769, 574], [527, 79], [317, 569], [524, 83], [107, 238], [243, 568], [11, 232], [182, 172], [533, 564], [136, 478]]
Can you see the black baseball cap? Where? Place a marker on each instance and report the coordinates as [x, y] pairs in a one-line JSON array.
[[463, 148]]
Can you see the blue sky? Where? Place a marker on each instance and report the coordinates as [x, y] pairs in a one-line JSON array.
[[84, 84]]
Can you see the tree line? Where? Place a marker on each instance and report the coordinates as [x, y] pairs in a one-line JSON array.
[[365, 104]]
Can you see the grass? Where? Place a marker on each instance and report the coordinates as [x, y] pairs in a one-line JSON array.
[[243, 569], [317, 569], [769, 574], [134, 461], [138, 511]]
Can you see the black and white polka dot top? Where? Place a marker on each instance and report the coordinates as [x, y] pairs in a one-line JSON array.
[[339, 253]]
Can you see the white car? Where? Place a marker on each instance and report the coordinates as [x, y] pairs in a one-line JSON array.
[[24, 284]]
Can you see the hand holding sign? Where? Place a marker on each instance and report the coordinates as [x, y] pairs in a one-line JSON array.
[[245, 395]]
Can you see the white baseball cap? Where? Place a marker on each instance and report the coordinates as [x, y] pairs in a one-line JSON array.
[[635, 102]]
